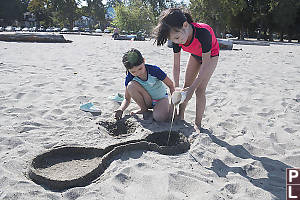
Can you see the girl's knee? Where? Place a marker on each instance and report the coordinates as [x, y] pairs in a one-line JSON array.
[[160, 117], [132, 87], [200, 92]]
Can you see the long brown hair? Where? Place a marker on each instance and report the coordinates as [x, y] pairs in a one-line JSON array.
[[172, 18]]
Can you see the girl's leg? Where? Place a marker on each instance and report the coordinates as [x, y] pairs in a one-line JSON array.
[[192, 70], [161, 110], [200, 92], [140, 96]]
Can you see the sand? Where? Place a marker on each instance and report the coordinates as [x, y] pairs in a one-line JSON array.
[[250, 133]]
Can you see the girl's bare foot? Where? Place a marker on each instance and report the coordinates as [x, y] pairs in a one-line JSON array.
[[197, 127]]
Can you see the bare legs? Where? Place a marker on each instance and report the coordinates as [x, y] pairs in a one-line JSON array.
[[140, 96], [144, 101], [192, 71], [161, 110]]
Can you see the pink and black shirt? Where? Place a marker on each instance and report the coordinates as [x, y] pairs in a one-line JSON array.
[[204, 40]]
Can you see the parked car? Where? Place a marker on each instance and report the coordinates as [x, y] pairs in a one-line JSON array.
[[107, 30], [18, 29], [1, 29], [10, 28], [33, 29], [41, 29], [228, 35], [55, 29], [87, 30], [98, 30], [76, 29], [65, 30], [25, 29], [49, 29]]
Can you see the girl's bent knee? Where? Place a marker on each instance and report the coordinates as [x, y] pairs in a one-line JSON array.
[[160, 118], [132, 87]]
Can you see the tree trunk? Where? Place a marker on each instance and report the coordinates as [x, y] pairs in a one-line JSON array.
[[241, 35]]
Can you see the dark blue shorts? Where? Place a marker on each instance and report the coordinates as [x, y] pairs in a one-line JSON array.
[[199, 58]]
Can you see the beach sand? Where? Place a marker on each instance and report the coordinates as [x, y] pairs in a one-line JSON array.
[[250, 133]]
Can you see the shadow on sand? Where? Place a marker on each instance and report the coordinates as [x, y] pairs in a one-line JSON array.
[[275, 183]]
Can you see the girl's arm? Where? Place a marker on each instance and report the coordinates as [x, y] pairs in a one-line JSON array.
[[169, 83], [204, 72], [176, 69], [125, 103]]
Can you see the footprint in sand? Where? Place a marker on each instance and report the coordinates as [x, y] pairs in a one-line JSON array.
[[16, 110], [20, 95], [57, 111], [41, 84], [245, 109], [265, 114], [27, 126], [233, 188], [290, 130], [228, 126], [12, 142]]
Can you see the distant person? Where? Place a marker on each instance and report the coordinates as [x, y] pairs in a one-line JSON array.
[[116, 33], [145, 84], [199, 40]]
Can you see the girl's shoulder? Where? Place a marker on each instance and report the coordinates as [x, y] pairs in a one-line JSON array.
[[152, 67], [200, 25], [155, 71], [128, 78]]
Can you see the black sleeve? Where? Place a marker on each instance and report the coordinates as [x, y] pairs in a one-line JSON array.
[[176, 48], [204, 37]]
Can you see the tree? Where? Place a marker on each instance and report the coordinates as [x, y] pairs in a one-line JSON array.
[[11, 10], [40, 11], [95, 9], [135, 16], [296, 26], [113, 3], [285, 14], [217, 13], [65, 12], [157, 6]]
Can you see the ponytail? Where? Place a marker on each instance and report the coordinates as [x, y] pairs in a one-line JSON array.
[[189, 18]]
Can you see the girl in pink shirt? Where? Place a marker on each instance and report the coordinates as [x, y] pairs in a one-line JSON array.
[[199, 40]]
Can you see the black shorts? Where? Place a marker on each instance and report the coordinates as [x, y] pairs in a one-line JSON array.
[[199, 58]]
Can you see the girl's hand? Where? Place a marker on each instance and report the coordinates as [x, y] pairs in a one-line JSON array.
[[138, 112], [172, 90], [118, 114], [176, 96], [189, 94]]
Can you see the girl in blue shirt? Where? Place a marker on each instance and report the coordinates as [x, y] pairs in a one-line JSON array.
[[146, 85]]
